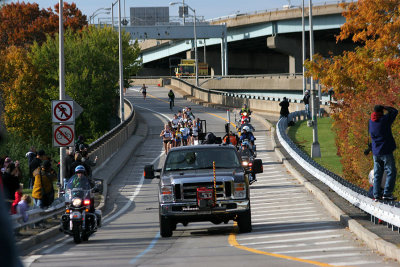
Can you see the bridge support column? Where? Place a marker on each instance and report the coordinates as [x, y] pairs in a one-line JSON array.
[[290, 47]]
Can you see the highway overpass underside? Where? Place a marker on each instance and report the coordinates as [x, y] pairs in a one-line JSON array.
[[263, 55]]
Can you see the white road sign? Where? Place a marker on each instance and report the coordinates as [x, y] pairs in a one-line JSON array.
[[63, 135], [63, 111]]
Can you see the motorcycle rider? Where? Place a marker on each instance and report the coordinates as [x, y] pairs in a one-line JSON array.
[[246, 123], [79, 180], [245, 109], [247, 134]]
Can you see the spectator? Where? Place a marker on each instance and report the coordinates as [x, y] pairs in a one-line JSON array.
[[7, 161], [284, 107], [23, 206], [43, 191], [306, 100], [31, 154], [17, 199], [78, 161], [79, 142], [36, 162], [68, 160], [10, 184], [383, 145], [1, 174]]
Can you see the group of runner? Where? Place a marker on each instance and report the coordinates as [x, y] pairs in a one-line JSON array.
[[182, 130]]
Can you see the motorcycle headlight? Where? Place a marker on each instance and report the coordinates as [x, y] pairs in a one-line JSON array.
[[76, 202], [245, 163]]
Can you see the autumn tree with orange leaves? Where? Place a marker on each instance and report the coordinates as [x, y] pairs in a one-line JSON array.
[[22, 24], [362, 78]]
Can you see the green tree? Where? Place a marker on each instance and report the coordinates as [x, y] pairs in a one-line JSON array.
[[91, 74]]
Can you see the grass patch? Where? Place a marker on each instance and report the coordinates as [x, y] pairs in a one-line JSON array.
[[302, 136]]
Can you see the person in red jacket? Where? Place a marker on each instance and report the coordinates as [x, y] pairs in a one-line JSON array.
[[18, 196]]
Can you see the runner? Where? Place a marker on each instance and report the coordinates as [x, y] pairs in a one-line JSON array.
[[143, 89]]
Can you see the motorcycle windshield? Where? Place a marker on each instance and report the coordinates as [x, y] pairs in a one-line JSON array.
[[76, 193]]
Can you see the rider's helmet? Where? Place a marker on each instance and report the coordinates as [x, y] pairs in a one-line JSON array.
[[246, 128], [80, 169]]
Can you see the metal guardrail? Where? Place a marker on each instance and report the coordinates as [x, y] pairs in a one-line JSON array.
[[36, 215], [387, 212]]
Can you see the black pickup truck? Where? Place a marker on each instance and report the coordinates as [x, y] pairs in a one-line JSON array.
[[203, 183]]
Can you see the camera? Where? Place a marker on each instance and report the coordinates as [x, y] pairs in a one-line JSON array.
[[368, 150]]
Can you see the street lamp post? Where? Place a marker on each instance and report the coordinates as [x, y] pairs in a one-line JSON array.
[[95, 13], [112, 12], [121, 71], [195, 40], [303, 44], [315, 148]]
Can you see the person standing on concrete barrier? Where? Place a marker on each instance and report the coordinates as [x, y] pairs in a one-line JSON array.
[[383, 145], [306, 100], [284, 107]]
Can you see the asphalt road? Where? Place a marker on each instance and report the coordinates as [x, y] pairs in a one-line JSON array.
[[290, 228]]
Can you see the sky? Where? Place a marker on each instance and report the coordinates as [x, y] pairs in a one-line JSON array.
[[207, 8]]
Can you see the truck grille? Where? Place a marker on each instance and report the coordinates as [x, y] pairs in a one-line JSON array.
[[188, 191]]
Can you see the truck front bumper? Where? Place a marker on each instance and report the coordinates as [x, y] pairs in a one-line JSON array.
[[222, 207]]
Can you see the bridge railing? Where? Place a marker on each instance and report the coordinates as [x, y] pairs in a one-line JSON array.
[[103, 148], [388, 212], [277, 9]]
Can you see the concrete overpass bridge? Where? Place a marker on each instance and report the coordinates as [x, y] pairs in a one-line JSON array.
[[257, 43]]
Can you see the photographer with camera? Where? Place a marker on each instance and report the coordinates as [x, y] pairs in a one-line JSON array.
[[383, 145]]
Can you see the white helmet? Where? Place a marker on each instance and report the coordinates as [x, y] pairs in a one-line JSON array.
[[371, 178], [246, 128]]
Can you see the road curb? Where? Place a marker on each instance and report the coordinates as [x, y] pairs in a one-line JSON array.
[[29, 242]]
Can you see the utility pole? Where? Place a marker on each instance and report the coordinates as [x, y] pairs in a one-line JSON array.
[[315, 148]]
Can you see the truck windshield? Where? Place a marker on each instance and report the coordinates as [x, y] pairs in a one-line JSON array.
[[201, 159]]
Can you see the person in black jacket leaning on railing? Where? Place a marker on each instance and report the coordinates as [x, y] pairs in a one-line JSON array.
[[383, 145]]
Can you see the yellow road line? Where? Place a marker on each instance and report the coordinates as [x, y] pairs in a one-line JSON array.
[[233, 242]]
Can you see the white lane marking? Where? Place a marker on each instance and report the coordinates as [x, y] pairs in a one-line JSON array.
[[352, 263], [331, 256], [150, 247], [291, 225], [273, 211], [301, 229], [280, 202], [290, 240], [290, 234], [330, 242], [29, 260], [273, 192], [268, 218], [259, 199], [260, 214], [288, 205], [269, 184], [317, 250], [294, 221]]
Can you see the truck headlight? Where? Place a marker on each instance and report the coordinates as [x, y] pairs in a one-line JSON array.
[[166, 194], [240, 190]]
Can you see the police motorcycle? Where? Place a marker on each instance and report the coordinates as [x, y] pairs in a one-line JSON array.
[[248, 161], [80, 220]]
